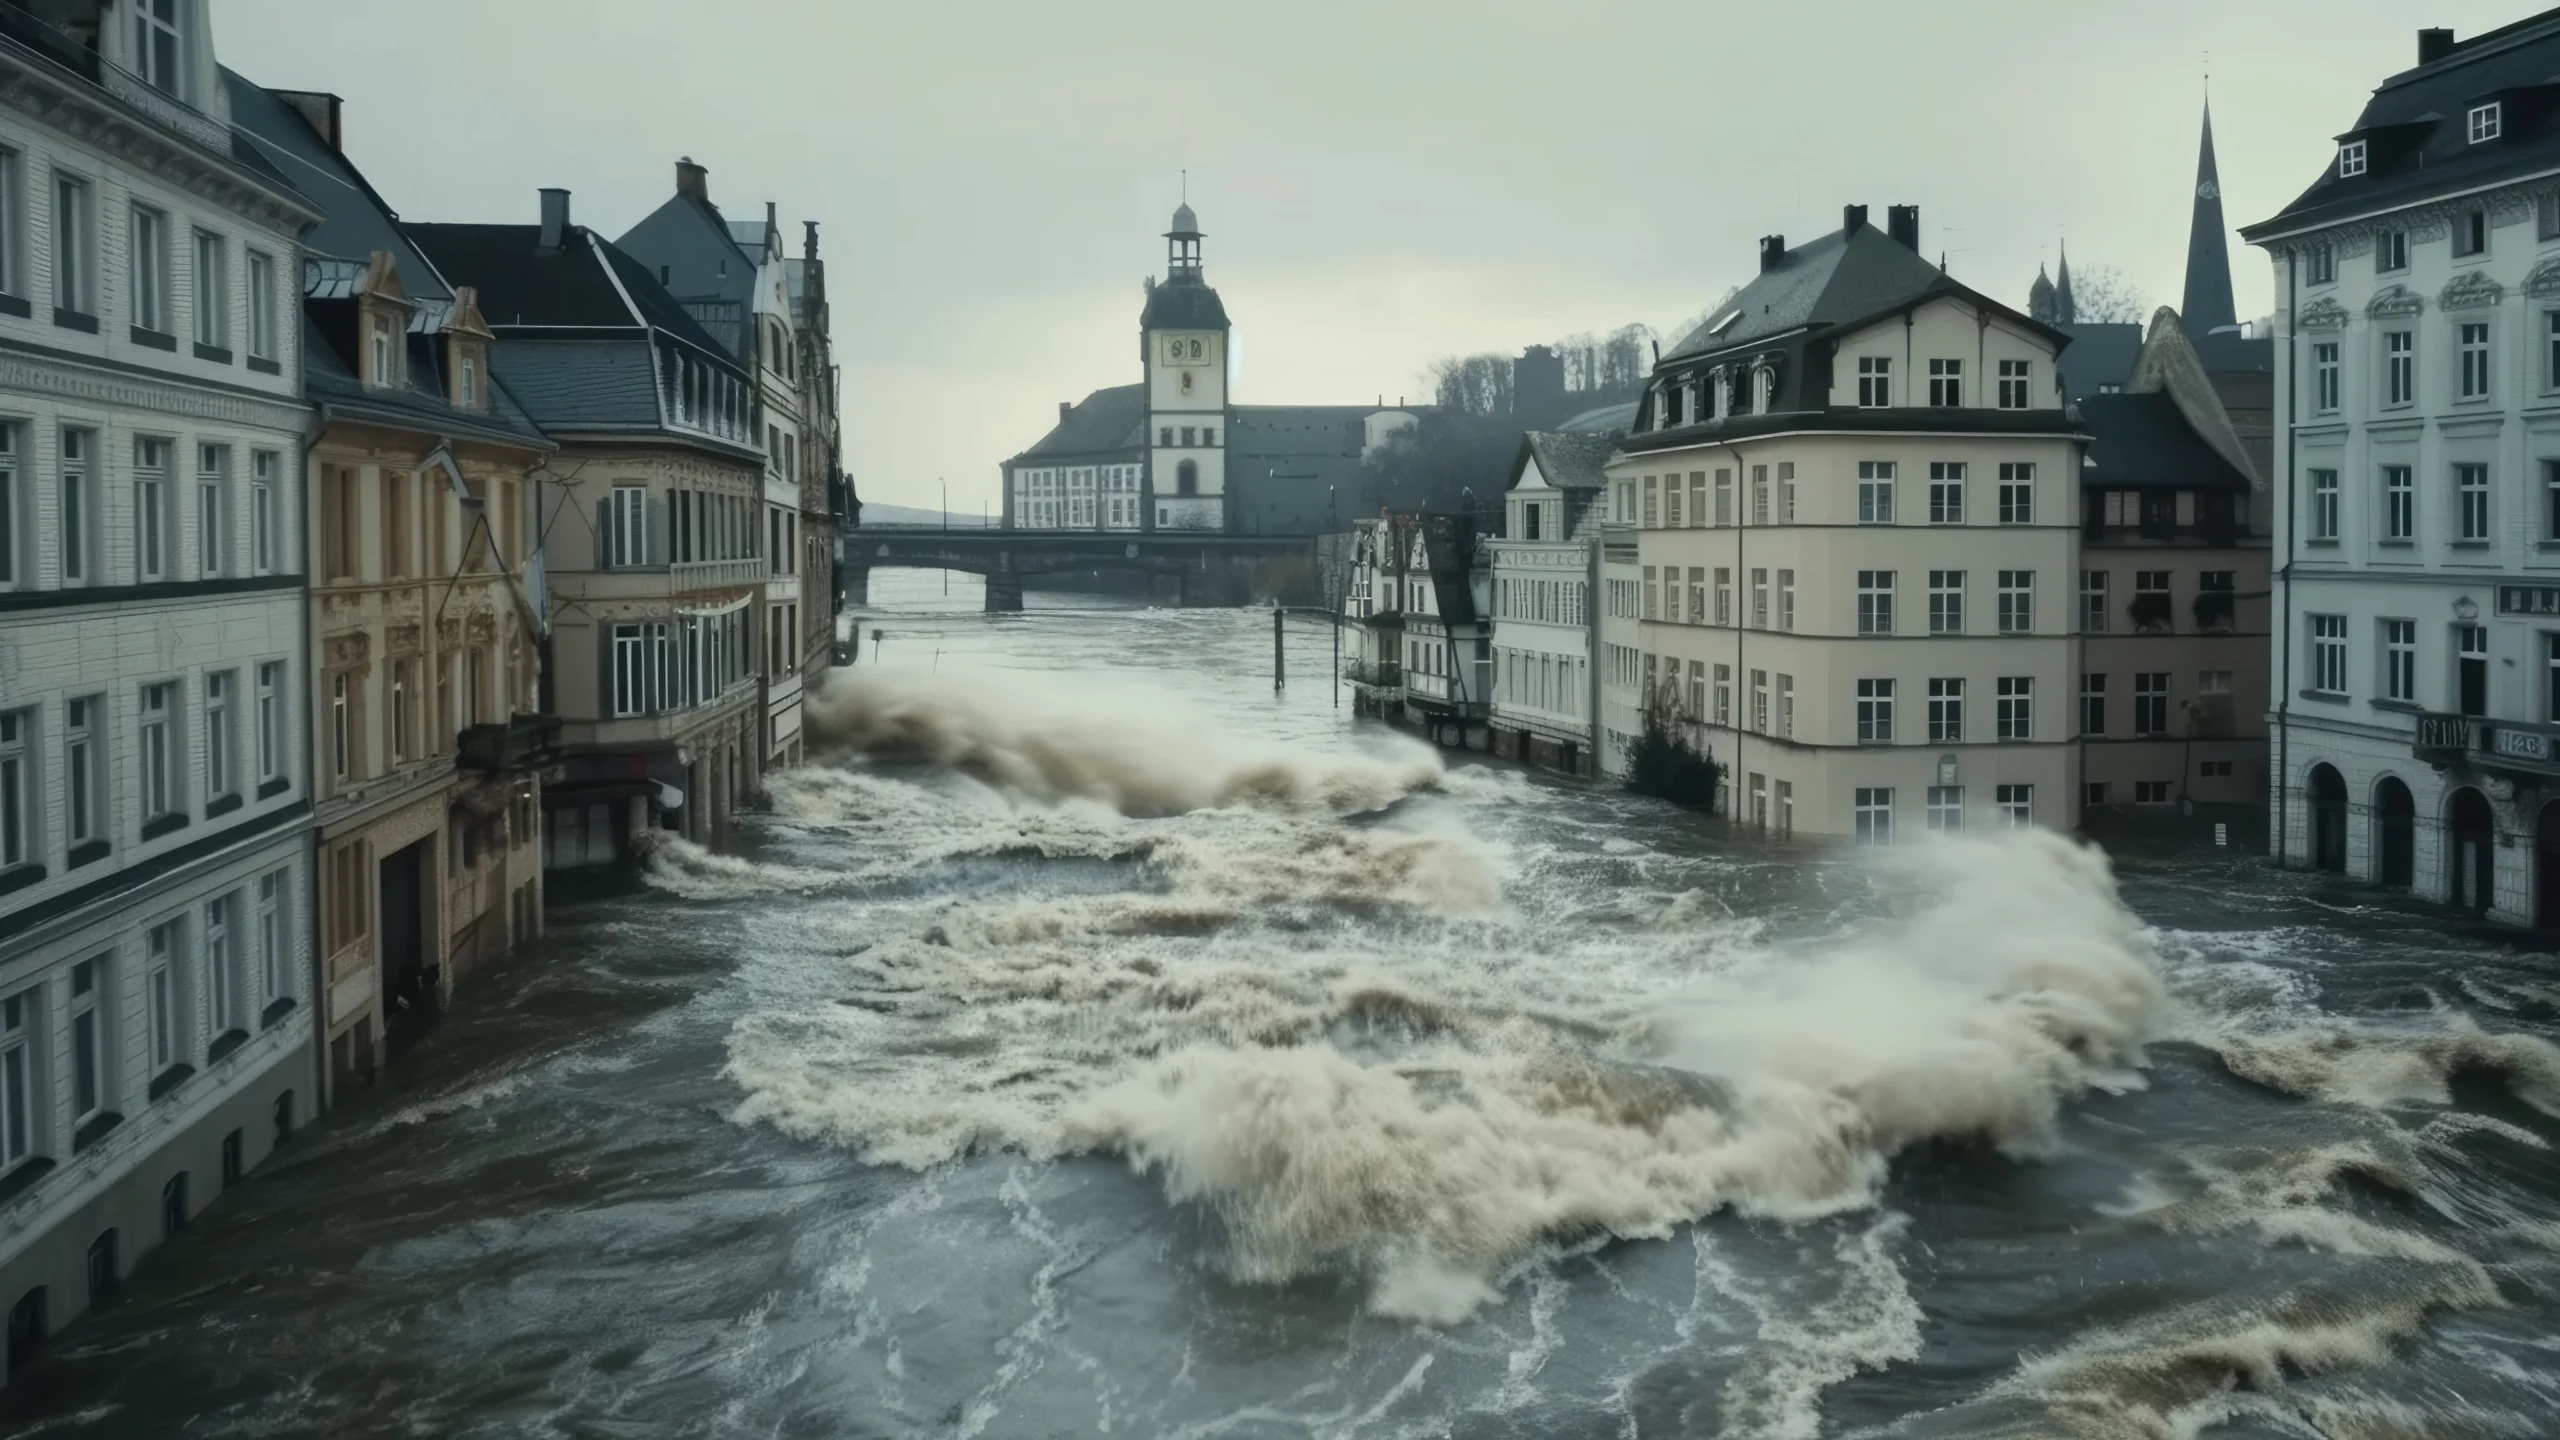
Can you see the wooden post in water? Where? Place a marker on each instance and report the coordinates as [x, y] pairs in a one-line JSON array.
[[1279, 654]]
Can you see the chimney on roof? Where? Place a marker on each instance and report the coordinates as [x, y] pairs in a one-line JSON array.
[[693, 180], [555, 217], [2434, 45], [1773, 248], [1065, 407], [1902, 222], [809, 245], [772, 219], [321, 111], [1852, 218]]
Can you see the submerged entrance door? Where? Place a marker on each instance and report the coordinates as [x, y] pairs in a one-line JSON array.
[[2474, 837], [408, 965], [2396, 824]]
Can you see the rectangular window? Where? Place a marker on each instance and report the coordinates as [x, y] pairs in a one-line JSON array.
[[17, 515], [1875, 602], [20, 1110], [2350, 159], [1875, 711], [1946, 808], [2400, 660], [151, 525], [1946, 492], [2551, 676], [213, 515], [1671, 505], [1651, 611], [271, 720], [2319, 264], [1724, 497], [1874, 815], [1652, 501], [1946, 602], [1875, 381], [1875, 492], [2390, 250], [1786, 600], [2013, 713], [341, 727], [13, 201], [403, 743], [2016, 803], [2551, 349], [160, 999], [2399, 502], [88, 1038], [2152, 611], [2017, 493], [75, 246], [2093, 704], [21, 842], [2013, 384], [2471, 232], [221, 967], [84, 768], [1946, 383], [149, 277], [630, 671], [160, 790], [1786, 492], [2151, 702], [262, 313], [156, 50], [2017, 602], [2471, 346], [2324, 504], [1786, 707], [213, 292], [2399, 367], [2471, 501], [219, 761], [1697, 611], [1760, 701], [2093, 602], [1946, 711], [2330, 654], [262, 512], [1724, 595], [2324, 375], [1759, 494], [627, 527], [1723, 695]]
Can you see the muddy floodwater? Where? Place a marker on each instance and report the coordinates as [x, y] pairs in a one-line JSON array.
[[1091, 1042]]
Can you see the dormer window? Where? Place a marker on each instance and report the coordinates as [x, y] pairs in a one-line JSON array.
[[470, 359], [2484, 122], [2350, 159], [156, 51], [382, 351]]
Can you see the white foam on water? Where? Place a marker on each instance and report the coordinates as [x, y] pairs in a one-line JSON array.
[[1869, 1321]]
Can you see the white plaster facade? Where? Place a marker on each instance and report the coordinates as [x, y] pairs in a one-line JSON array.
[[1544, 688]]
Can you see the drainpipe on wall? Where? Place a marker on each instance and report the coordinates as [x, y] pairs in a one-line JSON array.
[[2284, 651]]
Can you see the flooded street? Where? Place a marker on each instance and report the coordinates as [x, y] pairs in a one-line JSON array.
[[1113, 1047]]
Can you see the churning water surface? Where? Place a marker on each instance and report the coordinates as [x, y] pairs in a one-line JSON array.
[[1092, 1042]]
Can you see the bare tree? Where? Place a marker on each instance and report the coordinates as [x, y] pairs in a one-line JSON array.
[[2100, 295]]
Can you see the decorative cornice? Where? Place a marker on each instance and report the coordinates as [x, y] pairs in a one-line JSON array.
[[90, 115], [68, 380], [2544, 279], [2470, 290], [2324, 313], [2394, 300]]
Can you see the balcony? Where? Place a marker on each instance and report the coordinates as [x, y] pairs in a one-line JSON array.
[[521, 745]]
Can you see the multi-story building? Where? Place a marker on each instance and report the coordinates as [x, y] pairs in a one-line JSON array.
[[2172, 603], [1423, 647], [427, 637], [828, 507], [1545, 688], [735, 278], [1856, 521], [655, 531], [2416, 738], [155, 876]]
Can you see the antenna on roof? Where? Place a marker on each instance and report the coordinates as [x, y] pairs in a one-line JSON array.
[[1186, 187]]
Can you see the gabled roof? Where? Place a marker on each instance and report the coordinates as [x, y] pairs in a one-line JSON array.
[[1568, 461], [355, 221], [2143, 442], [2417, 141], [1109, 419], [328, 376], [2099, 357], [587, 283], [1843, 278]]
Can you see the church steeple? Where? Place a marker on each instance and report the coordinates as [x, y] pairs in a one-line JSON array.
[[2207, 304], [2040, 298], [2066, 310], [1182, 247]]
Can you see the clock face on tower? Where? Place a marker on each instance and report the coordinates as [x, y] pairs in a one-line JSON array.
[[2208, 190], [1184, 350]]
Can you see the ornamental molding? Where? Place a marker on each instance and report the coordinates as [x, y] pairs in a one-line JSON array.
[[2544, 279], [2324, 313], [2433, 221], [73, 108], [70, 380], [2392, 300], [2471, 290]]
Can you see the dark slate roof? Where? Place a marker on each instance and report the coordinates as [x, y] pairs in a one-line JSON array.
[[2098, 356], [574, 286], [1845, 276], [1615, 419], [604, 382], [1108, 419], [328, 376], [2227, 354], [355, 221], [2208, 293], [1299, 429], [1183, 305], [2143, 442], [2417, 145], [1568, 460], [1897, 421]]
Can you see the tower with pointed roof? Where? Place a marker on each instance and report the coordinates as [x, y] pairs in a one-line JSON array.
[[1183, 345], [2066, 310], [2207, 306], [2040, 298]]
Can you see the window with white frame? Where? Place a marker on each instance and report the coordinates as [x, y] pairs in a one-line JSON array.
[[212, 292], [2483, 122], [77, 507], [151, 520], [2400, 660], [2151, 702], [2017, 492], [630, 671], [2013, 708], [1759, 598], [262, 512], [13, 222], [159, 50], [2471, 348], [1946, 492], [627, 527], [1723, 695], [2351, 155], [75, 245], [2324, 375], [84, 768], [342, 727], [1875, 711], [2013, 384], [275, 977], [20, 1076], [271, 720], [1946, 602], [1875, 381], [1875, 492], [1946, 711], [2551, 676], [262, 306], [2329, 654], [2017, 601], [2399, 367], [213, 512], [161, 792], [21, 841], [2093, 602], [1786, 600], [1724, 496], [1874, 814], [221, 967], [2399, 504], [1786, 707], [221, 765], [90, 1054], [2551, 501], [382, 349], [17, 516], [1875, 602], [2016, 804], [164, 1014], [1759, 494], [1760, 701], [2471, 232], [2093, 703], [2471, 502], [2320, 264], [148, 275], [1786, 492], [2390, 251], [1946, 383], [2324, 504]]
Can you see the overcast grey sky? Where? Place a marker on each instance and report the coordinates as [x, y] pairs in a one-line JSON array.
[[1381, 182]]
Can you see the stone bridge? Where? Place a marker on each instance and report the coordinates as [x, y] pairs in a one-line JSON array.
[[1208, 569]]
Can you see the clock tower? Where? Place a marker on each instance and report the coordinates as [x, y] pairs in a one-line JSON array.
[[1183, 344]]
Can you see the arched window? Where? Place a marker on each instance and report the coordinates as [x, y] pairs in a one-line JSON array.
[[1186, 478]]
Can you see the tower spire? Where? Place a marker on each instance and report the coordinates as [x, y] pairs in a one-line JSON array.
[[2207, 303], [2066, 310]]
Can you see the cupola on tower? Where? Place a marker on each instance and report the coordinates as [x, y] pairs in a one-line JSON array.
[[1183, 335]]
